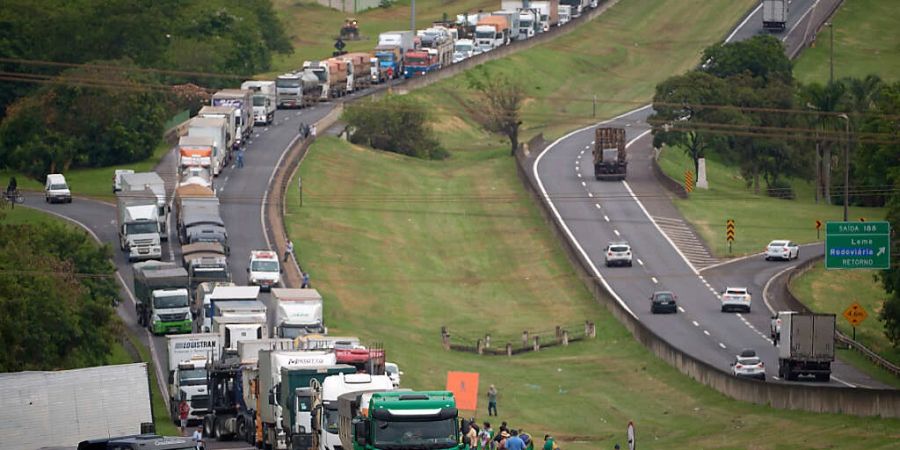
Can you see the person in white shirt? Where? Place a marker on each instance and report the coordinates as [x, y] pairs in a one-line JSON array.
[[198, 436]]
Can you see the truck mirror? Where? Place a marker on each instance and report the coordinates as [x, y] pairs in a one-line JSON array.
[[248, 270]]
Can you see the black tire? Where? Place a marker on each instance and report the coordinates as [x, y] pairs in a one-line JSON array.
[[208, 428], [242, 430], [221, 434], [630, 264]]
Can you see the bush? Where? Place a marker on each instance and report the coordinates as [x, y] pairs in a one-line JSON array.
[[780, 188], [398, 124]]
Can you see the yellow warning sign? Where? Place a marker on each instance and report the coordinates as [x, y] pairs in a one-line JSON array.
[[855, 314]]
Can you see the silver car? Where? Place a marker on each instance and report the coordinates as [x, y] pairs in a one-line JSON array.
[[618, 254], [781, 249], [747, 364]]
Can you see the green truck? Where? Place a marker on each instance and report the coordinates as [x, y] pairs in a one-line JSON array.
[[399, 420], [161, 295]]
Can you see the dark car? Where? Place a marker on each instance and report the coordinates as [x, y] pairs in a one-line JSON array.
[[663, 301]]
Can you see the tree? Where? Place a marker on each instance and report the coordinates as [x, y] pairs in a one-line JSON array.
[[498, 105], [876, 165], [761, 56], [826, 100], [680, 103], [394, 123], [890, 278]]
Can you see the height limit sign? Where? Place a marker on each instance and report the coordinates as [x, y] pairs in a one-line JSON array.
[[857, 245]]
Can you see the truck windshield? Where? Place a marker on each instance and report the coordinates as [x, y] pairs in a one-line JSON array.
[[142, 228], [290, 332], [484, 34], [170, 301], [321, 75], [463, 48], [264, 266], [524, 24], [58, 187], [211, 273], [192, 377], [287, 83], [331, 418], [416, 61], [428, 434], [259, 100], [385, 56]]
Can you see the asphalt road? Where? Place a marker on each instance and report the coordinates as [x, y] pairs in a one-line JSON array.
[[595, 213]]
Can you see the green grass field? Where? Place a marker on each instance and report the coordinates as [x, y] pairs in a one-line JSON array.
[[832, 291], [758, 218], [458, 243], [866, 40], [22, 215]]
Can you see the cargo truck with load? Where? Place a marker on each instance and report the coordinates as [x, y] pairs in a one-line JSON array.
[[195, 160], [512, 19], [61, 408], [548, 12], [188, 356], [161, 297], [610, 154], [491, 32], [242, 100], [295, 89], [806, 345], [138, 183], [331, 75], [200, 305], [231, 116], [263, 100], [197, 216], [238, 320], [137, 224], [418, 63], [297, 312], [775, 13], [216, 129], [205, 262], [210, 293], [360, 67], [439, 42], [402, 419]]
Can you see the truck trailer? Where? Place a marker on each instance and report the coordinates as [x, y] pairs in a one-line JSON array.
[[610, 156], [138, 183], [297, 312], [242, 100], [137, 224], [161, 296], [216, 129], [806, 345], [189, 355], [775, 13]]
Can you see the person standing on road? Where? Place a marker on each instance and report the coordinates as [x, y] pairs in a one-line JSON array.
[[492, 401], [289, 250], [240, 158], [183, 410], [198, 436], [305, 284]]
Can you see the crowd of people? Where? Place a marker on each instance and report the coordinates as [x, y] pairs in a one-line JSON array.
[[484, 437]]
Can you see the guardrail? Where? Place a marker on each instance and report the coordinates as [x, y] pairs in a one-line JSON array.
[[795, 304], [532, 340]]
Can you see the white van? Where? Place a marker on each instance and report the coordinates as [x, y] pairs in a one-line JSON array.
[[56, 189]]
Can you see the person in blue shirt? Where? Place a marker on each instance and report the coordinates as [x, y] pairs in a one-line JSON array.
[[515, 442]]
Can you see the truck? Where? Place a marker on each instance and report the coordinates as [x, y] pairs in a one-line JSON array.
[[188, 356], [142, 181], [418, 63], [264, 269], [565, 14], [231, 115], [377, 73], [297, 312], [161, 297], [280, 374], [325, 400], [390, 61], [214, 128], [610, 157], [401, 419], [529, 23], [548, 13], [205, 262], [576, 7], [288, 90], [201, 306], [463, 49], [264, 100], [491, 32], [242, 100], [512, 18], [360, 67], [404, 40], [775, 14], [197, 216], [332, 76], [61, 408], [438, 41], [137, 224], [195, 160], [806, 345], [238, 320], [222, 292]]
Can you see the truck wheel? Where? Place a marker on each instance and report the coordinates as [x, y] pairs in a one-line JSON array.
[[242, 430], [207, 425], [221, 433]]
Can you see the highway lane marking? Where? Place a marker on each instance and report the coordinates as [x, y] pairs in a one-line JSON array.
[[585, 148], [584, 184], [256, 135], [722, 345], [769, 283], [695, 323], [616, 232], [744, 22], [558, 216], [599, 207], [606, 218], [578, 173], [592, 142], [706, 332], [642, 263], [799, 21], [590, 194], [654, 280], [681, 309], [842, 381]]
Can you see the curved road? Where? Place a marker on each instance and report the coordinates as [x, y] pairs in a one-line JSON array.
[[610, 211]]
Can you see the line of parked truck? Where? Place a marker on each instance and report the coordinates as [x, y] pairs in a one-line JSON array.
[[410, 54]]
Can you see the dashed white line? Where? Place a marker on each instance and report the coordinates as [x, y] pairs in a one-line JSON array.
[[706, 332], [654, 280], [695, 323], [616, 232], [722, 345], [681, 309], [640, 262], [584, 184], [590, 194], [578, 173], [606, 218]]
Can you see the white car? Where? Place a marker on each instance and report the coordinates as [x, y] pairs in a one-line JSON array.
[[264, 269], [747, 364], [785, 250], [56, 189], [393, 372], [618, 254], [736, 298]]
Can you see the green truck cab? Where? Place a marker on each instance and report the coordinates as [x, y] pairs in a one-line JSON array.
[[398, 420], [162, 300]]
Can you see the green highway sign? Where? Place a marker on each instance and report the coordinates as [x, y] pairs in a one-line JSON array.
[[857, 245]]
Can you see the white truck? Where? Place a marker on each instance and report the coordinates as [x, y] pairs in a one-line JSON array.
[[242, 100], [231, 116], [237, 315], [201, 306], [138, 225], [806, 345], [565, 14], [529, 20], [264, 269], [775, 13], [512, 20], [61, 408], [195, 160], [548, 12], [327, 424], [188, 356], [264, 100], [297, 312], [463, 49], [216, 129], [136, 183]]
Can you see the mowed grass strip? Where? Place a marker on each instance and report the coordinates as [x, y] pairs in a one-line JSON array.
[[759, 219], [619, 57], [400, 247], [866, 40]]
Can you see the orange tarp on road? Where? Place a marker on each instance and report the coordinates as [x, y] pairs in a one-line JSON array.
[[464, 386]]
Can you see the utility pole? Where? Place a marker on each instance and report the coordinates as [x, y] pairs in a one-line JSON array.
[[846, 165], [831, 58], [412, 17]]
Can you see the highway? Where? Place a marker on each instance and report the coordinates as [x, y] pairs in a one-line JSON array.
[[594, 213]]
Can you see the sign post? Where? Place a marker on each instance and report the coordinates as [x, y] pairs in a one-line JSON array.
[[855, 314], [857, 245], [818, 228], [729, 233], [688, 181]]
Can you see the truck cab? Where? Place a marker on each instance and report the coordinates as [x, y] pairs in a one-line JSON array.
[[170, 311], [417, 63], [410, 419], [264, 269], [188, 383], [138, 225], [139, 442], [390, 60]]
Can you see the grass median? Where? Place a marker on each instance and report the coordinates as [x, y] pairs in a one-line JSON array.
[[400, 247]]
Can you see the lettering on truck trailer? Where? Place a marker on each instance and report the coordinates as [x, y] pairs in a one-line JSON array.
[[191, 345]]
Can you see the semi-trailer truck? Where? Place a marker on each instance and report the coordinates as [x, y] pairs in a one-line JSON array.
[[189, 355], [806, 345], [137, 224], [610, 154], [138, 183], [264, 100], [402, 419], [161, 295], [297, 312]]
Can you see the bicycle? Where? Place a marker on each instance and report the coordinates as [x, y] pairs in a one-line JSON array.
[[14, 197]]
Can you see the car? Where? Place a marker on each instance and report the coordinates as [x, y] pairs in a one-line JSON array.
[[748, 365], [56, 189], [782, 249], [264, 269], [393, 371], [736, 299], [663, 301], [618, 254]]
